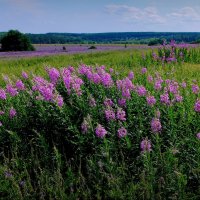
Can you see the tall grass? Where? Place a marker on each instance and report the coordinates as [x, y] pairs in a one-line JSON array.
[[53, 148]]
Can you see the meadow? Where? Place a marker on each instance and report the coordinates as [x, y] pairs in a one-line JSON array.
[[105, 125], [65, 49]]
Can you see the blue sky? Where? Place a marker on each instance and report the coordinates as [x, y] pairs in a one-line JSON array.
[[91, 16]]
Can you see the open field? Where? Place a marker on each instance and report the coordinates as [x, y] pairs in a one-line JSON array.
[[105, 125], [53, 49]]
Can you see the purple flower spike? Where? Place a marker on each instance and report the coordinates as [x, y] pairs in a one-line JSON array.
[[100, 131], [122, 132], [145, 145]]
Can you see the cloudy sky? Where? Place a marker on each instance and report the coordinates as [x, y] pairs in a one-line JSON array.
[[80, 16]]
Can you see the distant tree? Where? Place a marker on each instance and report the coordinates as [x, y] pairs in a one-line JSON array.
[[155, 42], [92, 47], [16, 41]]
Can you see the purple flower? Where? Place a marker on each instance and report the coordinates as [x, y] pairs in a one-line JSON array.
[[122, 102], [11, 90], [125, 86], [173, 87], [110, 114], [8, 174], [131, 75], [164, 98], [126, 93], [20, 85], [46, 92], [100, 131], [2, 112], [59, 100], [167, 81], [178, 98], [141, 90], [150, 79], [2, 94], [111, 70], [12, 113], [71, 69], [151, 100], [108, 102], [197, 106], [157, 85], [1, 123], [106, 80], [183, 84], [145, 145], [72, 82], [121, 115], [195, 89], [198, 136], [54, 75], [96, 78], [122, 132], [24, 75], [144, 70], [156, 125]]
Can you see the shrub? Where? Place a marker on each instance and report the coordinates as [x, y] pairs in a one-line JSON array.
[[16, 41], [92, 47], [155, 42]]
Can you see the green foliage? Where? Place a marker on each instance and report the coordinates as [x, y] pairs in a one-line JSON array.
[[44, 154], [155, 42], [15, 41], [117, 37]]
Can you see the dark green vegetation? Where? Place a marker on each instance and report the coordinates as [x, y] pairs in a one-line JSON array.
[[153, 42], [130, 37], [44, 154], [117, 37], [15, 41]]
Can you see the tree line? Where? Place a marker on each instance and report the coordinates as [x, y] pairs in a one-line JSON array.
[[116, 37]]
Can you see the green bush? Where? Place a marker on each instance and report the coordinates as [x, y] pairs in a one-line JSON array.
[[92, 47], [16, 41], [155, 42]]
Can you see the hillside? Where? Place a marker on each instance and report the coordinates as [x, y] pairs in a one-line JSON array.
[[115, 37]]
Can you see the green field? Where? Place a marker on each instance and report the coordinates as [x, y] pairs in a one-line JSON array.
[[122, 61], [75, 150]]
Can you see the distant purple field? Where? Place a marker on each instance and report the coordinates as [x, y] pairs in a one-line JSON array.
[[45, 50]]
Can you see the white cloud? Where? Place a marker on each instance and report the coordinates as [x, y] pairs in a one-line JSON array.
[[131, 13], [186, 13]]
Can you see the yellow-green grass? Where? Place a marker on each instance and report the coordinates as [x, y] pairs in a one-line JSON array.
[[122, 61]]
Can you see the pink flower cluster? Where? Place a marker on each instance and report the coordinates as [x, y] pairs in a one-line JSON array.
[[125, 86], [122, 132], [2, 94], [11, 90], [53, 75], [72, 81], [100, 131], [197, 106], [110, 114], [156, 125], [97, 76], [195, 89], [46, 91], [145, 145]]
